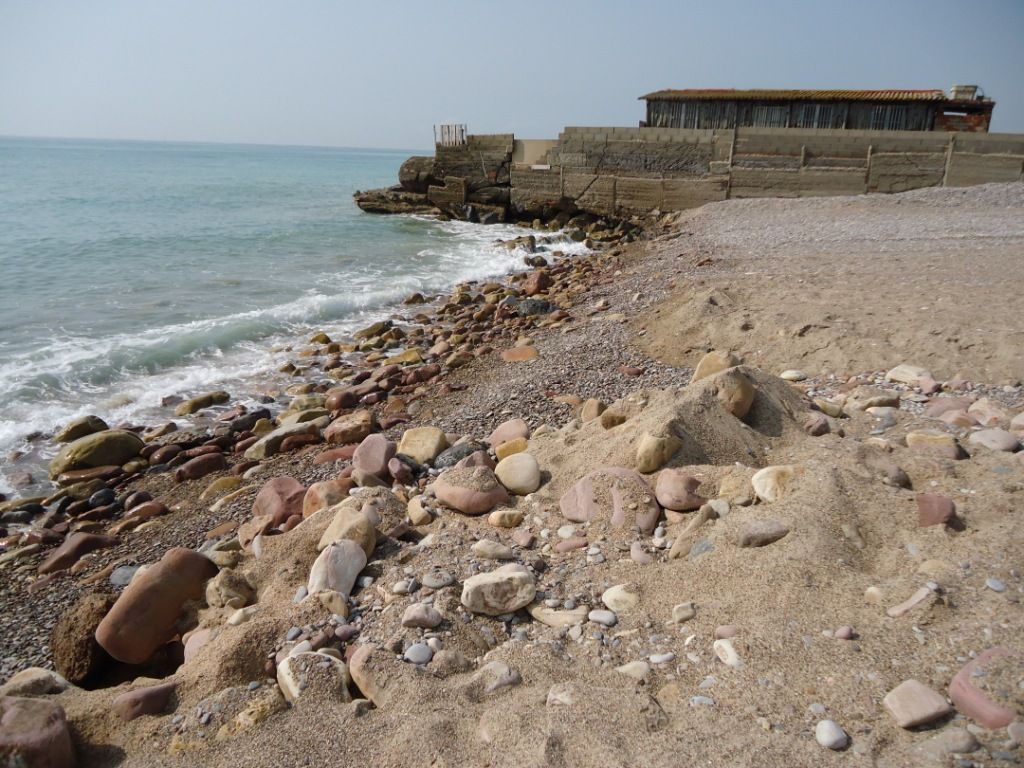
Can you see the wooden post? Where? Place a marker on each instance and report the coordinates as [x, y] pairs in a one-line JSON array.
[[949, 158], [867, 172]]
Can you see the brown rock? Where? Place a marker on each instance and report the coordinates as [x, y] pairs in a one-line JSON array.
[[470, 491], [350, 428], [537, 282], [200, 466], [344, 453], [509, 430], [368, 668], [933, 509], [74, 547], [677, 490], [519, 354], [325, 494], [816, 424], [145, 615], [294, 442], [761, 533], [974, 702], [34, 734], [373, 455], [592, 409], [280, 498], [913, 703], [151, 700], [76, 654], [146, 510]]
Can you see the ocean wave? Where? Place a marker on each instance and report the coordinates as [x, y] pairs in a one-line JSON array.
[[125, 376]]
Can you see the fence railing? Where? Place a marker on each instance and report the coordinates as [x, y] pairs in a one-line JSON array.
[[450, 134]]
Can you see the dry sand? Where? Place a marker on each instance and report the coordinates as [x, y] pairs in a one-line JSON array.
[[834, 287]]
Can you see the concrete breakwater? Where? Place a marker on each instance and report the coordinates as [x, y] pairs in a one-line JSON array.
[[621, 172]]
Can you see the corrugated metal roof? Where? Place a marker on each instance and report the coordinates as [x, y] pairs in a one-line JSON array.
[[731, 94]]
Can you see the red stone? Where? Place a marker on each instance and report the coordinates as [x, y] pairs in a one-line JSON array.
[[279, 498], [151, 700], [74, 547], [34, 733], [933, 509], [145, 615], [201, 466], [294, 442], [972, 701]]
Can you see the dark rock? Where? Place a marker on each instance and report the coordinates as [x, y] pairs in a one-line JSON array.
[[76, 654]]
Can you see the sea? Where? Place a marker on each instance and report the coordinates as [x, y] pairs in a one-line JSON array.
[[134, 271]]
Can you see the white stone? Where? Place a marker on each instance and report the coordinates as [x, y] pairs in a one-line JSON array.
[[519, 473], [604, 618], [904, 373], [504, 590], [554, 618], [727, 654], [830, 735], [492, 550], [293, 672], [421, 616], [771, 483], [638, 670], [337, 568], [793, 375], [620, 599]]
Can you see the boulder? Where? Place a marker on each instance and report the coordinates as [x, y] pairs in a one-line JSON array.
[[654, 451], [80, 427], [280, 498], [616, 495], [326, 494], [336, 568], [270, 443], [351, 428], [200, 467], [471, 491], [735, 392], [502, 591], [519, 473], [771, 483], [353, 523], [76, 655], [34, 733], [714, 362], [199, 402], [417, 174], [297, 673], [373, 455], [100, 449], [422, 444], [145, 615], [677, 490], [71, 551], [509, 430], [995, 440], [151, 700]]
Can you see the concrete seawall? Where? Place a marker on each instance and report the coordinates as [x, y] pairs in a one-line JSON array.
[[618, 171]]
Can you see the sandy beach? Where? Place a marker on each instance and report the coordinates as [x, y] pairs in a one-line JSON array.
[[812, 414]]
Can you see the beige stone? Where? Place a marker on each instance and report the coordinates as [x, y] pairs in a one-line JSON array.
[[652, 452], [422, 444], [714, 362]]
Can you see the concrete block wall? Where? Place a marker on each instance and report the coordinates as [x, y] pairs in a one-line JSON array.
[[633, 170]]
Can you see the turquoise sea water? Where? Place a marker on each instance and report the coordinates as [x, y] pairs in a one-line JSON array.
[[130, 271]]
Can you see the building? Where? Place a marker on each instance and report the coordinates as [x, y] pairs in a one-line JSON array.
[[964, 109]]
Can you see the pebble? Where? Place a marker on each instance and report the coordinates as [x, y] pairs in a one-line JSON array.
[[293, 633], [683, 612], [604, 618], [995, 585], [830, 735], [662, 658], [418, 653], [702, 701], [437, 579]]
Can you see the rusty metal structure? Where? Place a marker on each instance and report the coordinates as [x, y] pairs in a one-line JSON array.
[[963, 109]]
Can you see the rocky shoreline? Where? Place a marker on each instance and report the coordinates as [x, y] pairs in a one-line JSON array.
[[501, 529]]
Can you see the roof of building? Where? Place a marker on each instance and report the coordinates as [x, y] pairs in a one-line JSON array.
[[761, 94]]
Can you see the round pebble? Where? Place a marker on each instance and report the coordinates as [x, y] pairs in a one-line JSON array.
[[419, 653], [437, 579], [995, 585], [830, 735], [604, 618]]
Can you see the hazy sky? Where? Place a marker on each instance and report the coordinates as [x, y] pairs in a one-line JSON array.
[[380, 74]]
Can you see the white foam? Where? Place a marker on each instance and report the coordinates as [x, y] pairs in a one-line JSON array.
[[124, 377]]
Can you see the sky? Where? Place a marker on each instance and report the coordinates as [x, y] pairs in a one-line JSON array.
[[381, 74]]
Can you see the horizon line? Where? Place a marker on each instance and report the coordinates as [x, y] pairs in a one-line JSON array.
[[205, 141]]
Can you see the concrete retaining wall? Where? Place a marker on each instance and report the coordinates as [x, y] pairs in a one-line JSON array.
[[622, 171]]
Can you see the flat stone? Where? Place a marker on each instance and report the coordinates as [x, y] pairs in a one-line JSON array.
[[905, 373], [492, 550], [995, 440], [973, 700], [620, 495], [504, 590], [423, 444], [950, 741], [913, 703], [793, 374], [558, 618], [604, 618], [620, 598], [760, 533], [151, 700], [933, 509]]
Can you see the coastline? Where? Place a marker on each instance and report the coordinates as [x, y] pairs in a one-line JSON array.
[[636, 321]]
